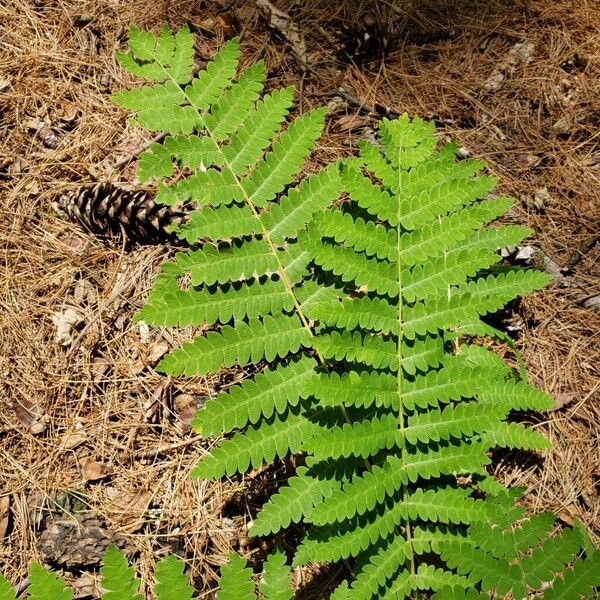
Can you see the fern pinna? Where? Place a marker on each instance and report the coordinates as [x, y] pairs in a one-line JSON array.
[[356, 294]]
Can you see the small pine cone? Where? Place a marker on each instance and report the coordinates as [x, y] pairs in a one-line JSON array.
[[107, 210], [361, 42]]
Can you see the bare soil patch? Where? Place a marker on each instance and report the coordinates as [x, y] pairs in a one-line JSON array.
[[85, 421]]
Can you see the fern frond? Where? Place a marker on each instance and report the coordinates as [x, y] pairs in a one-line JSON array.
[[7, 592], [363, 236], [262, 123], [352, 315], [550, 558], [236, 580], [514, 435], [367, 195], [171, 581], [221, 223], [369, 350], [373, 314], [578, 582], [274, 337], [170, 306], [355, 389], [292, 501], [228, 113], [453, 421], [276, 581], [285, 160], [297, 208], [455, 267], [277, 437], [44, 585], [491, 293], [507, 544], [360, 438], [519, 395], [380, 567], [216, 77], [118, 578], [156, 58], [377, 276], [269, 392]]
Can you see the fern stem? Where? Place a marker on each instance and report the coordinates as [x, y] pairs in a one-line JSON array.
[[400, 378]]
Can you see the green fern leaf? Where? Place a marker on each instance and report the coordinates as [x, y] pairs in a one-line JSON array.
[[355, 389], [429, 577], [156, 58], [274, 438], [260, 126], [274, 336], [453, 422], [285, 160], [514, 435], [363, 236], [171, 582], [378, 276], [297, 208], [455, 267], [7, 592], [228, 113], [508, 544], [276, 581], [211, 265], [269, 392], [221, 223], [211, 82], [361, 438], [352, 316], [373, 314], [292, 502], [44, 585], [118, 578], [550, 558], [169, 305], [459, 593], [380, 567], [236, 580], [578, 582]]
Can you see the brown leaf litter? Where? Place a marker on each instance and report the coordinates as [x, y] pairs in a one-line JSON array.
[[517, 84]]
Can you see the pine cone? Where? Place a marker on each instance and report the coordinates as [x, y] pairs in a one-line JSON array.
[[107, 210], [365, 40]]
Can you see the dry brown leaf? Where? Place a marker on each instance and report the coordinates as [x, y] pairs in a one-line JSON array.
[[228, 24], [98, 368], [86, 586], [156, 352], [153, 403], [283, 24], [128, 508], [72, 440], [350, 123], [561, 400], [31, 415], [186, 407], [94, 470]]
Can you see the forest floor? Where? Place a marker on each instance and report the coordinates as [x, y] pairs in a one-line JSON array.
[[90, 425]]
